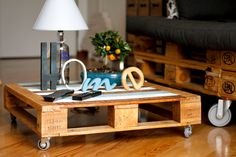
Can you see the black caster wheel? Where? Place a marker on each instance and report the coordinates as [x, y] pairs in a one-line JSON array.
[[43, 145], [13, 119]]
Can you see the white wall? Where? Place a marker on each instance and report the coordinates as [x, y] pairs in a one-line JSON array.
[[117, 12], [17, 17], [17, 39], [101, 15]]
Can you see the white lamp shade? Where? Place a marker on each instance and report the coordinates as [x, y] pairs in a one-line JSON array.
[[60, 15]]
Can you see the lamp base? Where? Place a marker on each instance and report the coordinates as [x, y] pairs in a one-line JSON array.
[[64, 55]]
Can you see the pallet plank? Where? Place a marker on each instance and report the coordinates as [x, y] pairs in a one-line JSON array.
[[51, 119], [107, 128], [122, 116]]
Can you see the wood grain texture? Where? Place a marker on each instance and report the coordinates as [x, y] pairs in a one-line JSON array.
[[224, 59], [51, 119], [164, 142], [216, 68], [128, 74], [206, 141], [123, 116]]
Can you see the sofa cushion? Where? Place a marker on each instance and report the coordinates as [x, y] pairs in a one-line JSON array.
[[207, 9], [202, 34]]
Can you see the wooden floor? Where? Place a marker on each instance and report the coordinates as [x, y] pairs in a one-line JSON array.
[[206, 141]]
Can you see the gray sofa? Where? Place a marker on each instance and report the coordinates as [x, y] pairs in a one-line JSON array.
[[209, 24], [209, 28]]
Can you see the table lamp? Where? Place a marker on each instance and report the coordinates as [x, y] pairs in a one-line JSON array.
[[60, 15]]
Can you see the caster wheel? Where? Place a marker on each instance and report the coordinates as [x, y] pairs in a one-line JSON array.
[[13, 119], [43, 145], [188, 131], [216, 121]]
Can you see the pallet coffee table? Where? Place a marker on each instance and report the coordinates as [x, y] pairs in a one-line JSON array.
[[123, 107]]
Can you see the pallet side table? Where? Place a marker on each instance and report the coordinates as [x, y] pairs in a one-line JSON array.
[[51, 119]]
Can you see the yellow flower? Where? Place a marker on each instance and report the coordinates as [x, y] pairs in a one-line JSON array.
[[108, 48], [117, 51]]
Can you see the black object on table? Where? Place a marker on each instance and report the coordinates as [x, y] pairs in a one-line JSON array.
[[86, 95], [58, 94]]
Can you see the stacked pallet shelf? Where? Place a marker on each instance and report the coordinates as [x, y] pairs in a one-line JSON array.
[[136, 8], [215, 73], [210, 72]]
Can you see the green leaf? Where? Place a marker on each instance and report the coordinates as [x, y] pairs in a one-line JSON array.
[[114, 40]]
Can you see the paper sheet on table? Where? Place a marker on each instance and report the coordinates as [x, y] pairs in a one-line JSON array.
[[115, 94]]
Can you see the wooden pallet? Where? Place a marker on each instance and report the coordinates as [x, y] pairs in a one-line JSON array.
[[209, 72], [51, 119], [144, 43], [144, 8]]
